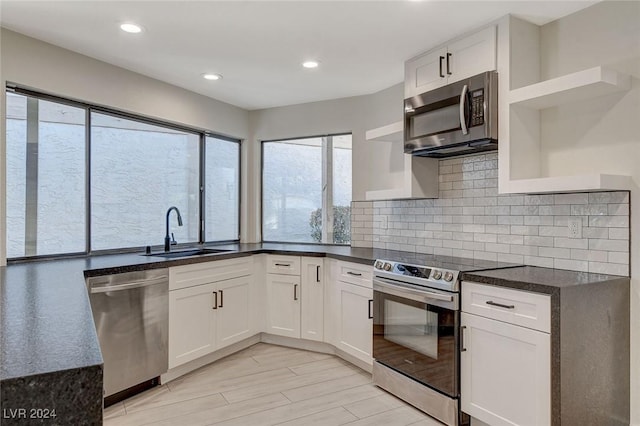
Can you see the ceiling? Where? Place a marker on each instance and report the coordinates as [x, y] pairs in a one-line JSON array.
[[258, 46]]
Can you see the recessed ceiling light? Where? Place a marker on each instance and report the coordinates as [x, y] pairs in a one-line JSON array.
[[212, 76], [128, 27], [310, 64]]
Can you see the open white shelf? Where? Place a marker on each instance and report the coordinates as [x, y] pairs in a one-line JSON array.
[[420, 180], [390, 133], [576, 183], [573, 87]]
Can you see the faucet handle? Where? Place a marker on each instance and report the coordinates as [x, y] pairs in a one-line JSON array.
[[173, 240]]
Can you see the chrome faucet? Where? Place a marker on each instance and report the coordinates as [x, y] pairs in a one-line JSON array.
[[167, 239]]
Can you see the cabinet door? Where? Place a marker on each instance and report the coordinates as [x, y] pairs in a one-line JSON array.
[[472, 55], [191, 323], [424, 73], [505, 373], [355, 329], [283, 301], [312, 298], [233, 316]]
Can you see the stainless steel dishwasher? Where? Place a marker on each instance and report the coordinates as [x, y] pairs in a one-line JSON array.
[[131, 315]]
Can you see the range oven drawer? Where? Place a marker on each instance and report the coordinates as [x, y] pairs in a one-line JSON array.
[[531, 310]]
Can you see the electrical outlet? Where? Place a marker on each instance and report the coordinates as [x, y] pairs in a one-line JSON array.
[[574, 226]]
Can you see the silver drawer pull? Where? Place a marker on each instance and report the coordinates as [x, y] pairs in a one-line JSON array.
[[500, 305], [355, 274]]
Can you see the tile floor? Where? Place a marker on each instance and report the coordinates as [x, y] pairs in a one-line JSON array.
[[268, 385]]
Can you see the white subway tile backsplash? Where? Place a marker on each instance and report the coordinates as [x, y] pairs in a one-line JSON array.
[[608, 268], [574, 265], [580, 198], [579, 243], [618, 257], [470, 219], [609, 245], [617, 234], [609, 221], [543, 262], [532, 240]]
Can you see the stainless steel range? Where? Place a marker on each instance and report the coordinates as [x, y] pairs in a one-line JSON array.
[[416, 338]]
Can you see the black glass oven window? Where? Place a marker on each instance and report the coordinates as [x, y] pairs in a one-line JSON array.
[[417, 340]]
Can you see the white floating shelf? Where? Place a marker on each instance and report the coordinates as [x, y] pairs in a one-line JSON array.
[[578, 183], [419, 180], [393, 132], [578, 86]]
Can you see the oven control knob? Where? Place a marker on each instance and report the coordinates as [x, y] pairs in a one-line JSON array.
[[448, 276], [387, 266], [437, 274], [378, 265]]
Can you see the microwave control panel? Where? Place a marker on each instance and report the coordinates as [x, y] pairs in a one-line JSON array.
[[477, 107]]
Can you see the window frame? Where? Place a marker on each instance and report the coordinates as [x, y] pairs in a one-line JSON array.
[[327, 175], [88, 110]]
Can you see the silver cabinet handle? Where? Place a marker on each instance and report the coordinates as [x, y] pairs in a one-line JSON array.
[[215, 301], [355, 274], [295, 292], [462, 348], [221, 299], [500, 305], [463, 99]]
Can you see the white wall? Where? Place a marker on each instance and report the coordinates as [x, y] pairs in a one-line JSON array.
[[601, 131]]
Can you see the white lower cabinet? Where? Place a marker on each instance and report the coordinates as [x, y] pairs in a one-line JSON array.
[[348, 322], [505, 372], [192, 327], [312, 297], [355, 326], [233, 316], [205, 316], [283, 301]]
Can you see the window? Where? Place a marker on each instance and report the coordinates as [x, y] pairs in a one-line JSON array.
[[45, 177], [222, 182], [299, 177], [138, 171], [59, 152]]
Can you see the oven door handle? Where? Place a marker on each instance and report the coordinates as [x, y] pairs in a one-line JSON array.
[[385, 286]]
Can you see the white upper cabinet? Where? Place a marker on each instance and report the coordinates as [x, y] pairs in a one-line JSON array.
[[462, 58]]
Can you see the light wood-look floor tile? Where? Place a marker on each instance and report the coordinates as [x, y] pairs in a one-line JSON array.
[[268, 385]]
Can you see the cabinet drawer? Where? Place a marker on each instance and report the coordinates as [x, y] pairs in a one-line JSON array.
[[355, 274], [531, 310], [287, 265], [209, 272]]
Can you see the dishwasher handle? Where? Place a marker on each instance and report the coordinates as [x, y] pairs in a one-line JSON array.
[[130, 285]]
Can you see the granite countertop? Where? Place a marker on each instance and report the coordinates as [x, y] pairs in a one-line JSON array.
[[539, 280], [46, 324]]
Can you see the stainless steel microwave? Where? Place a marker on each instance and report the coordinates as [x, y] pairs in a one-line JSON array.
[[456, 119]]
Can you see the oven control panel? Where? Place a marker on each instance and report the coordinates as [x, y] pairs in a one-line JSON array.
[[418, 274]]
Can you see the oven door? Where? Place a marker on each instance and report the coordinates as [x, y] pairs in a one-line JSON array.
[[415, 332]]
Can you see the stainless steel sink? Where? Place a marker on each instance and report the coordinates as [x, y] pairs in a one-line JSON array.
[[187, 253]]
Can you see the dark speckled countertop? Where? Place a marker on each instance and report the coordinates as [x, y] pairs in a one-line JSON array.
[[539, 280], [46, 323]]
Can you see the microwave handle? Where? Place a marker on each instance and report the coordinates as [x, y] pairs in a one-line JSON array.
[[463, 100]]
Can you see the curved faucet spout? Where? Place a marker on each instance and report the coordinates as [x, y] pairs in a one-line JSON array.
[[167, 240]]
